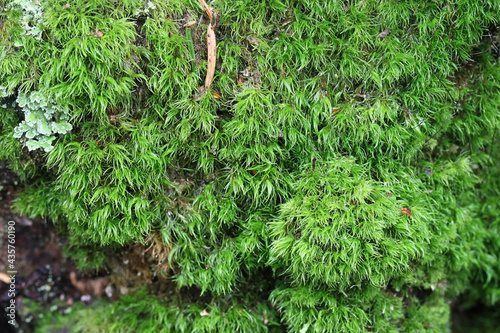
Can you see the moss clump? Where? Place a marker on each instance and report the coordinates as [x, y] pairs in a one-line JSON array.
[[344, 166], [141, 312]]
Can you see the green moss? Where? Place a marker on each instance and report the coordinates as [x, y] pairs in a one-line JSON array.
[[141, 312], [352, 151]]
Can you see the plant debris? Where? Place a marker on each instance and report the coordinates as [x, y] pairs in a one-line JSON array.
[[211, 45]]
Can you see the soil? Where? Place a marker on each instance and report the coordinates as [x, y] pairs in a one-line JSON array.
[[42, 269], [45, 275]]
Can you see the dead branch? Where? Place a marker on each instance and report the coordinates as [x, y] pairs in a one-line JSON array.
[[211, 46]]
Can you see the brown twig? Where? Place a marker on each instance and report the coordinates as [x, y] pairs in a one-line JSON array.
[[207, 9], [211, 46], [211, 43]]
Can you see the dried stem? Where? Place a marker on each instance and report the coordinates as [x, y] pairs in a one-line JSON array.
[[211, 46]]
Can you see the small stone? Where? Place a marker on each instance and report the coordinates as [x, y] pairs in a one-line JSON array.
[[109, 291], [86, 298]]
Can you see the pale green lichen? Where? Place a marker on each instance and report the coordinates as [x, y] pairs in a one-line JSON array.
[[43, 119], [32, 17]]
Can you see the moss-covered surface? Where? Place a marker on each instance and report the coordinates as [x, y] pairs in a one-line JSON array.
[[341, 175]]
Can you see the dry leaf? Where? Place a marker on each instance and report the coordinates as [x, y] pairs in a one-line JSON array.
[[204, 313]]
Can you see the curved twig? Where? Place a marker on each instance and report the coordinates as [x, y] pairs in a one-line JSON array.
[[211, 46], [207, 9]]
